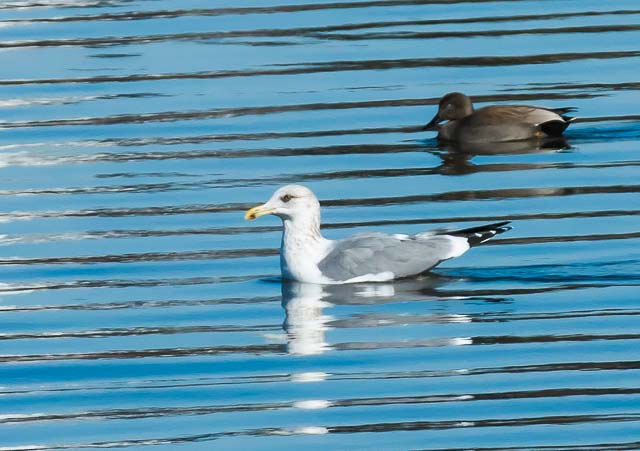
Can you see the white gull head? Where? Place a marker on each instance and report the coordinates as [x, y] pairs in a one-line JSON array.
[[303, 246], [290, 203]]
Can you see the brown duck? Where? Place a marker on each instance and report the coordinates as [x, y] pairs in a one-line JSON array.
[[497, 123]]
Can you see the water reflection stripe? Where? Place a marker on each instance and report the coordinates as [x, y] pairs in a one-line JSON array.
[[263, 349], [150, 412], [566, 420], [340, 66], [322, 35], [170, 14]]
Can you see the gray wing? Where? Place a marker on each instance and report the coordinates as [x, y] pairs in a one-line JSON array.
[[375, 253]]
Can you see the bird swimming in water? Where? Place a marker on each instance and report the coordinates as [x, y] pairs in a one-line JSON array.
[[306, 256], [496, 123]]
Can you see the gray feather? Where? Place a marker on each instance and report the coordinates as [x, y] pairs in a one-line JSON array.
[[375, 253]]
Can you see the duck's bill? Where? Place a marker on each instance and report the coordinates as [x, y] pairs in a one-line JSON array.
[[433, 124], [258, 211]]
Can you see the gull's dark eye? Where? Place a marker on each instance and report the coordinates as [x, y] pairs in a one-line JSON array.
[[286, 198]]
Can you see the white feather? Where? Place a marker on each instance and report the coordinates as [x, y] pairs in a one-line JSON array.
[[459, 245]]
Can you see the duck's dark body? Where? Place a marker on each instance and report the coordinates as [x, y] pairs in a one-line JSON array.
[[497, 123]]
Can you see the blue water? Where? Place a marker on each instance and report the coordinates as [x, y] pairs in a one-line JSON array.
[[138, 309]]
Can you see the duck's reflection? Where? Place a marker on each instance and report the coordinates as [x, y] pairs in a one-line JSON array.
[[456, 157], [507, 147], [306, 322]]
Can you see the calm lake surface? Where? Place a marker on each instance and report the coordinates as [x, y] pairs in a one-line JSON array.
[[138, 310]]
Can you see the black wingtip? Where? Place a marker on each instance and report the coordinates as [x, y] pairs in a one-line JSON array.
[[480, 234], [482, 228]]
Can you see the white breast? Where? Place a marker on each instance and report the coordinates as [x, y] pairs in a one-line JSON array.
[[299, 258]]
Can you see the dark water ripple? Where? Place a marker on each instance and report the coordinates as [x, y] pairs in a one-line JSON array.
[[139, 310], [341, 66]]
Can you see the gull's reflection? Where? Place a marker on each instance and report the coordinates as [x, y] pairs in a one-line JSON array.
[[309, 376], [306, 322]]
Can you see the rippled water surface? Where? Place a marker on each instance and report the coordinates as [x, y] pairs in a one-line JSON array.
[[139, 309]]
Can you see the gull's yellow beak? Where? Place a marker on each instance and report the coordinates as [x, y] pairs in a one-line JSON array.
[[258, 211]]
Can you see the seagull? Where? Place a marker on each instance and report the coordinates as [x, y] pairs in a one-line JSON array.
[[306, 256]]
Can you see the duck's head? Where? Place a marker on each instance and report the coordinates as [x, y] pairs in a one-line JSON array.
[[452, 107]]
